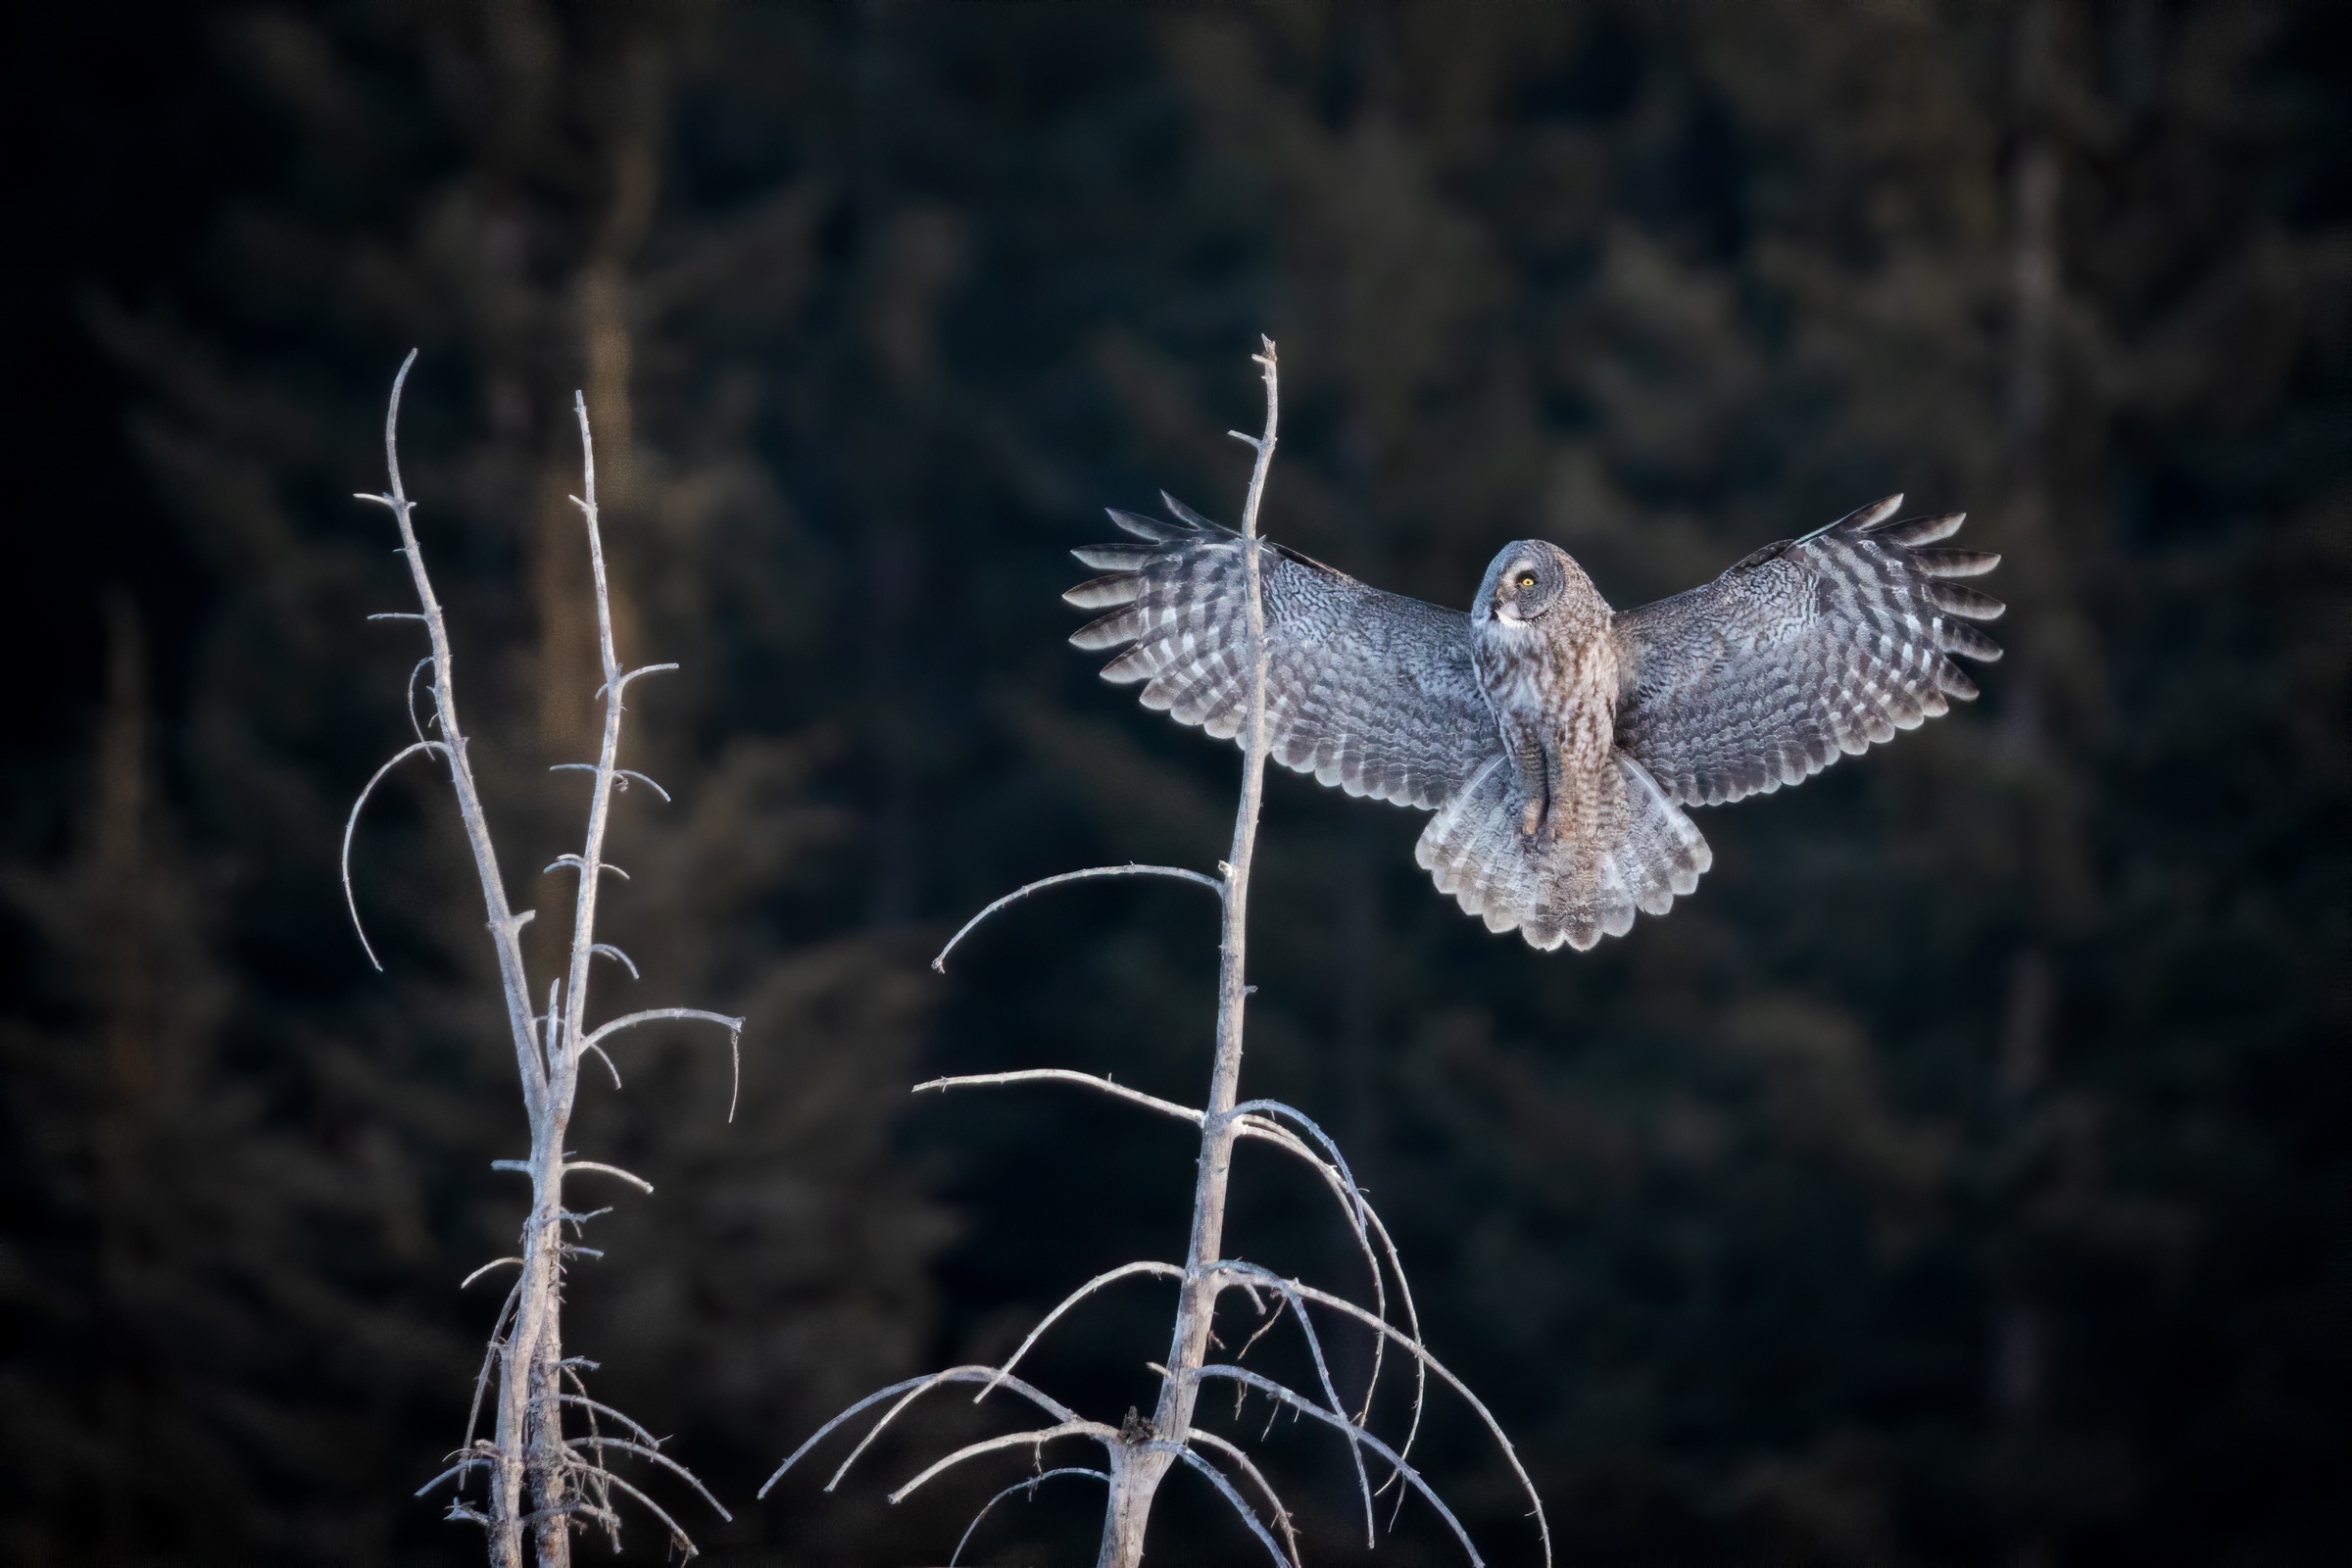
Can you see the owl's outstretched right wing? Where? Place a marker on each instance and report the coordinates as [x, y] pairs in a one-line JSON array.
[[1371, 691], [1806, 650]]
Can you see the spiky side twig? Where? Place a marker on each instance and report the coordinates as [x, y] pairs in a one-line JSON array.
[[1138, 1455], [539, 1480]]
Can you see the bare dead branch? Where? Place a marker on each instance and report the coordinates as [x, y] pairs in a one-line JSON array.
[[415, 722], [615, 1171], [605, 949], [461, 770], [627, 773], [1241, 1506], [1368, 1228], [597, 1052], [679, 1540], [1248, 1467], [1135, 1483], [632, 1020], [566, 1480], [1421, 1355], [490, 1355], [458, 1469], [1066, 1075], [733, 1027], [1036, 1438], [646, 1450], [919, 1385], [1315, 1349], [940, 964], [496, 1262], [1123, 1271], [351, 825], [1396, 1461], [595, 1409], [937, 1379], [1028, 1484]]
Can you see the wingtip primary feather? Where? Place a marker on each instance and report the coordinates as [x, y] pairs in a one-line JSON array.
[[1861, 519], [1113, 557], [1967, 603], [1150, 529], [1187, 515], [1105, 593], [1953, 563], [1959, 637], [1912, 532], [1111, 630]]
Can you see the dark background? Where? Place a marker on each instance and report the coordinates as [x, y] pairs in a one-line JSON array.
[[1960, 1177]]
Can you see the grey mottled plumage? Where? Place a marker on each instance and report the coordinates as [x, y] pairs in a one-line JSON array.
[[1557, 740]]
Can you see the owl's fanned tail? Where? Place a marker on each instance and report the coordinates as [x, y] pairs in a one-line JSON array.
[[1553, 891]]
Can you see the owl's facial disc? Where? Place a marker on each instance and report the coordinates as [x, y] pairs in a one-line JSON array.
[[1521, 584]]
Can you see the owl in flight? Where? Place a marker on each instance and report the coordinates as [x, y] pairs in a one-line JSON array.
[[1557, 740]]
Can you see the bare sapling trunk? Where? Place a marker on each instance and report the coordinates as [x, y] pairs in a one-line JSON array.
[[1136, 1475], [542, 1470], [1140, 1454]]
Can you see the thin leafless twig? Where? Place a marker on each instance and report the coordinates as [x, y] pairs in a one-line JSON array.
[[1029, 1075], [1028, 1484], [940, 964]]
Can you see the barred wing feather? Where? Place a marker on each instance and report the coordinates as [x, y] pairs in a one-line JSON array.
[[1805, 650], [1371, 691]]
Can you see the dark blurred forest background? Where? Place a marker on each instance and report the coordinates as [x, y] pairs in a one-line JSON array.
[[1961, 1176]]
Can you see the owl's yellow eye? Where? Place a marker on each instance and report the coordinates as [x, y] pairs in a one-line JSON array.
[[1527, 579]]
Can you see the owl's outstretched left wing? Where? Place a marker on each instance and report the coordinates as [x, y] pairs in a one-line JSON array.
[[1805, 650], [1371, 691]]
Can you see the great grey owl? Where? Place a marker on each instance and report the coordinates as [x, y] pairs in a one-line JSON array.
[[1556, 739]]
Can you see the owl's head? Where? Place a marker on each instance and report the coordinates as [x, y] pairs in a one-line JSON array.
[[1534, 580]]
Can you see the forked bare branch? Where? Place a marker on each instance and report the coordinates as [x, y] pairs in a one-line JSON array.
[[539, 1480]]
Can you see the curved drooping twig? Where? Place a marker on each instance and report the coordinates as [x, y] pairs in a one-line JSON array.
[[1028, 1485], [1090, 874], [905, 1391], [1421, 1358], [351, 825], [1110, 1276], [1355, 1434]]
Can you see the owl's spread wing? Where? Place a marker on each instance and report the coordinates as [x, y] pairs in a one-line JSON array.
[[1805, 650], [1371, 691]]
